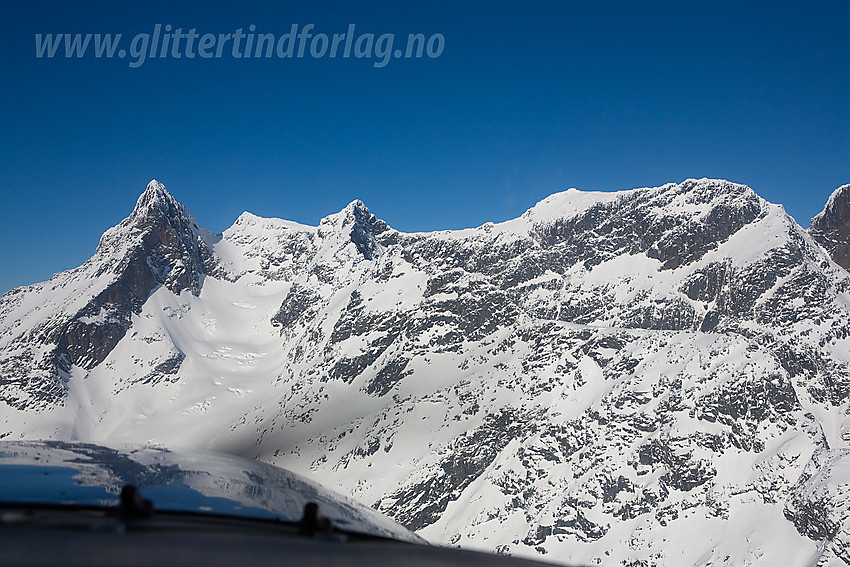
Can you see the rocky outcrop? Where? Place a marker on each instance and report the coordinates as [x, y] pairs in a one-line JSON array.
[[819, 503]]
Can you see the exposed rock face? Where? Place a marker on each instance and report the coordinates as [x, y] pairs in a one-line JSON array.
[[597, 380], [819, 504], [831, 227]]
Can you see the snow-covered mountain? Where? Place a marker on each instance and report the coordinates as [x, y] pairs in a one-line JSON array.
[[658, 376]]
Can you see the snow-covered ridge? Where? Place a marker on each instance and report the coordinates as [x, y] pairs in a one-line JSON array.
[[247, 219]]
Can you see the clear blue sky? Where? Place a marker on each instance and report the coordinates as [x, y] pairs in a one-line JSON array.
[[526, 98]]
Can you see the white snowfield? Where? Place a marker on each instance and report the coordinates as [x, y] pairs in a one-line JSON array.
[[649, 377]]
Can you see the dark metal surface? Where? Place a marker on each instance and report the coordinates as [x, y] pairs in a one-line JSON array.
[[86, 475], [75, 504]]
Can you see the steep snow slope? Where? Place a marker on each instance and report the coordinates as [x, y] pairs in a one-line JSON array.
[[656, 376]]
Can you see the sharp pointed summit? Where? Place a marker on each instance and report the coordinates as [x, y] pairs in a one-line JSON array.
[[155, 195], [156, 202], [359, 225]]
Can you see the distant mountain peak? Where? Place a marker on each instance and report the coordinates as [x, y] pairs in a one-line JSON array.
[[355, 211], [156, 201], [831, 227], [836, 208], [155, 194], [357, 205], [360, 225], [160, 243], [156, 187]]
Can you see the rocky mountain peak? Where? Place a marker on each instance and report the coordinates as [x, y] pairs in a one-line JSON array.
[[355, 212], [159, 244], [357, 207], [157, 203], [161, 237], [155, 193], [360, 225], [831, 227]]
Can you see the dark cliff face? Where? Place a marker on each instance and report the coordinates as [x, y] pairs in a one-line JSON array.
[[831, 227], [169, 238], [364, 227]]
